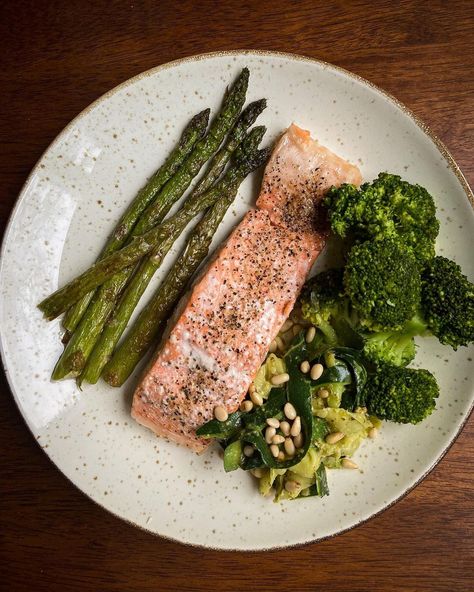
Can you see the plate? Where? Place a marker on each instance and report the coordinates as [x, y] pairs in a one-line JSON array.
[[71, 201]]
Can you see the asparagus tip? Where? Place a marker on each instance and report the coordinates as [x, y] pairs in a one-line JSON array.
[[250, 144], [243, 79], [260, 104], [252, 111], [200, 120], [259, 158], [258, 132]]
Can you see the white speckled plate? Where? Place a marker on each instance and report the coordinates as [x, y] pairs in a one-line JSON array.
[[72, 200]]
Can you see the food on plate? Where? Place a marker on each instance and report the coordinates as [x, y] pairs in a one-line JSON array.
[[386, 208], [222, 333], [447, 302], [404, 395], [381, 279], [289, 374]]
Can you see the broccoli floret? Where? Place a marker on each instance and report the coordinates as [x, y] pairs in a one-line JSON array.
[[394, 347], [386, 208], [321, 300], [447, 311], [382, 280], [447, 302], [389, 347], [403, 395], [324, 304], [321, 295]]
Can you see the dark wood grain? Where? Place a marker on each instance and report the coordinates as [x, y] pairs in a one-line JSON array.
[[59, 56]]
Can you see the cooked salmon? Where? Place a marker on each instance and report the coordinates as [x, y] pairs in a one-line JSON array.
[[221, 332]]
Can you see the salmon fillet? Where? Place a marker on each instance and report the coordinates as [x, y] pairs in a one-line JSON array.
[[220, 335]]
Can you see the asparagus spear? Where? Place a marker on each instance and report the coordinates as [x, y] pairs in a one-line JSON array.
[[193, 132], [203, 150], [73, 359], [96, 316], [133, 292]]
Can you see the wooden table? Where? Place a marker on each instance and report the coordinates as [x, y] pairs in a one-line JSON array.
[[57, 58]]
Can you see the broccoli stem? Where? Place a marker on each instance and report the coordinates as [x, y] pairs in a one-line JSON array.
[[328, 331]]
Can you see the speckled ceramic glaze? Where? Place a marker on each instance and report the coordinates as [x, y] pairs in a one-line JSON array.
[[73, 199]]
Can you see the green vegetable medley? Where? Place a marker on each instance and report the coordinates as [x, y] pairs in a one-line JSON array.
[[339, 364]]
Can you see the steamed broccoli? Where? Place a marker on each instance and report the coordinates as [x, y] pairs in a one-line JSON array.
[[403, 395], [446, 311], [382, 280], [386, 208], [389, 347], [324, 304], [322, 299], [394, 347], [447, 302], [321, 296]]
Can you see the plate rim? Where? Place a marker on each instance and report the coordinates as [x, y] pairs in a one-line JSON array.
[[454, 167]]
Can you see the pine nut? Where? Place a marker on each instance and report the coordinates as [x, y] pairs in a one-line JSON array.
[[273, 422], [347, 463], [257, 473], [220, 413], [277, 439], [290, 411], [274, 450], [273, 347], [334, 437], [281, 456], [279, 379], [298, 441], [296, 427], [316, 371], [323, 393], [280, 343], [246, 406], [373, 433], [287, 338], [256, 399], [291, 486], [289, 447], [269, 433], [296, 330], [249, 450], [310, 334], [304, 367], [285, 428], [286, 326]]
